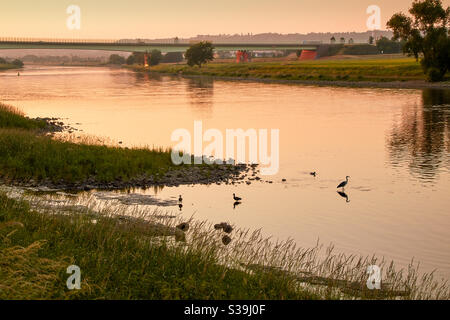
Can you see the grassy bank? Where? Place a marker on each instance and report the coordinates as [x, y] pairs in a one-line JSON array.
[[8, 66], [117, 261], [131, 259], [358, 70], [29, 156]]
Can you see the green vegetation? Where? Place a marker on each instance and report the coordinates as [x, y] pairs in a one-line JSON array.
[[199, 53], [118, 260], [11, 117], [4, 65], [116, 59], [426, 35], [141, 258], [378, 70], [26, 154]]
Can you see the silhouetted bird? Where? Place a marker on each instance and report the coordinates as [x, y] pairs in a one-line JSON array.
[[180, 199], [236, 198], [343, 183]]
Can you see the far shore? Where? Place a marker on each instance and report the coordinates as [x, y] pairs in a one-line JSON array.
[[376, 72]]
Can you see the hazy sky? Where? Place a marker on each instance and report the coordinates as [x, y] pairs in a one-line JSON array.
[[111, 19]]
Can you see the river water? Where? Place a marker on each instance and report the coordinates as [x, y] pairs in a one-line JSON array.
[[393, 143]]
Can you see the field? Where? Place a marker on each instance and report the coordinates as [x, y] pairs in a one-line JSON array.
[[349, 70]]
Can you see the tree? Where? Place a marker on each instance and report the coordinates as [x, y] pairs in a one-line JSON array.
[[426, 36], [351, 41], [371, 39], [199, 53], [172, 57], [135, 58], [17, 63], [342, 40], [333, 40], [155, 57], [385, 45], [116, 59], [3, 61]]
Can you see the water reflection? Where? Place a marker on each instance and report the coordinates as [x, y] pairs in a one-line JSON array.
[[201, 91], [343, 195], [420, 139]]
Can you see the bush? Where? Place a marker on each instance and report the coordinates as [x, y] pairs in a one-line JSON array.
[[116, 59], [18, 63]]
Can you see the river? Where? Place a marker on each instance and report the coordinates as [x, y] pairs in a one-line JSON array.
[[393, 143]]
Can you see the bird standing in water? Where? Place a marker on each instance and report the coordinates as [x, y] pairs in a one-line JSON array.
[[343, 183], [180, 199], [236, 198]]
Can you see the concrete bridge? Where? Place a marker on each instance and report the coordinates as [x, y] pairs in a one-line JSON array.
[[111, 45]]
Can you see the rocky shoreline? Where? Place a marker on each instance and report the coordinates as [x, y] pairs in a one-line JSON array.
[[190, 175]]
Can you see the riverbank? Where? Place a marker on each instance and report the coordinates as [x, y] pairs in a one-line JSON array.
[[147, 257], [30, 157], [382, 73], [8, 66]]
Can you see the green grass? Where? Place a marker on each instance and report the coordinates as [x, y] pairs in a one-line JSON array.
[[27, 154], [11, 117], [378, 70], [117, 261], [128, 259], [8, 66]]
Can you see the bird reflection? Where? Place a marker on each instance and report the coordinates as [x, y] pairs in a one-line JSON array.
[[236, 203], [343, 195]]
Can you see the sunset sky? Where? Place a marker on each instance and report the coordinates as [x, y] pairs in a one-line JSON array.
[[109, 19]]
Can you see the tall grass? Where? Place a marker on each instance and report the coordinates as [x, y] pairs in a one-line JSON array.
[[27, 153], [25, 156], [11, 117], [128, 258]]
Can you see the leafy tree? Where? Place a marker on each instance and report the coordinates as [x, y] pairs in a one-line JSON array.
[[342, 40], [371, 39], [426, 36], [172, 57], [135, 58], [385, 45], [116, 59], [155, 57], [333, 40], [18, 63], [199, 53]]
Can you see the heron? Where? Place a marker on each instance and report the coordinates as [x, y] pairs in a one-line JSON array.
[[343, 183], [236, 198]]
